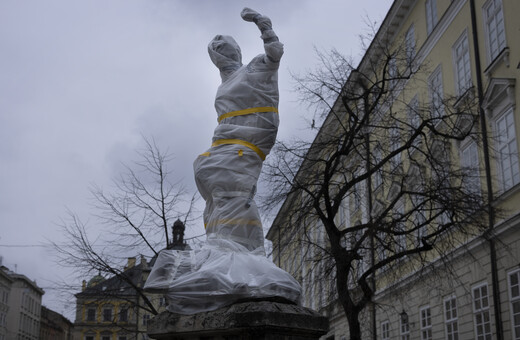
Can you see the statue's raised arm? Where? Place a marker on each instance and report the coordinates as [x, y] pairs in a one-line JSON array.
[[273, 47]]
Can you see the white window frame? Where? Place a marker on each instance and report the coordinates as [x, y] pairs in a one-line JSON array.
[[378, 174], [392, 74], [395, 143], [451, 318], [123, 310], [462, 64], [469, 160], [419, 217], [103, 315], [494, 28], [481, 313], [400, 240], [436, 93], [409, 43], [404, 328], [415, 120], [344, 213], [431, 15], [87, 309], [507, 150], [425, 315], [385, 330], [514, 299]]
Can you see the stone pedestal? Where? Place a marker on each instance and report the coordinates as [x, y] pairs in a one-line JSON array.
[[245, 320]]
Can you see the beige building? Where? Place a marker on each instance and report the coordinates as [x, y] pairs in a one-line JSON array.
[[24, 307], [114, 308], [470, 49]]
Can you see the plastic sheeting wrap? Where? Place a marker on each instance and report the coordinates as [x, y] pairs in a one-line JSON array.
[[232, 264], [216, 275]]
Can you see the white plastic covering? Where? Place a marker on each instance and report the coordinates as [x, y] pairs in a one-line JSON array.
[[232, 264]]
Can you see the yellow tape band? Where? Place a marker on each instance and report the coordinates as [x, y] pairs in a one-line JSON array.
[[247, 112], [206, 154], [233, 221], [240, 142]]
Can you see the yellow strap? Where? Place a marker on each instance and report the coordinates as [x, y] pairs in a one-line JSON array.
[[205, 154], [240, 142], [247, 111]]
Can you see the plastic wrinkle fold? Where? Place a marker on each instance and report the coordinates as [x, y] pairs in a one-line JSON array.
[[231, 265]]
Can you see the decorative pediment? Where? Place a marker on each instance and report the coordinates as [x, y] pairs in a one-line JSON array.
[[499, 94]]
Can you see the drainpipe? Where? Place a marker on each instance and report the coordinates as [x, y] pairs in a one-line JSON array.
[[491, 213]]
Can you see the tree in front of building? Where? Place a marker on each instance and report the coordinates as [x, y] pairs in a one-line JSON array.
[[387, 159], [137, 217]]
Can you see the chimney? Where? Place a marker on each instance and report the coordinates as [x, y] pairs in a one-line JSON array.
[[83, 285]]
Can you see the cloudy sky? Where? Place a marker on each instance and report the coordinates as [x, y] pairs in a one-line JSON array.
[[82, 81]]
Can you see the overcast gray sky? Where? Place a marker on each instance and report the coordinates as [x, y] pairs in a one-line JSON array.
[[82, 81]]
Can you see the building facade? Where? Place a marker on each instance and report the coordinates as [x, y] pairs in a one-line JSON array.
[[113, 308], [5, 289], [24, 298], [470, 50], [117, 308], [54, 326]]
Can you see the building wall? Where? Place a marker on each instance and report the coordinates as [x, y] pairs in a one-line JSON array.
[[469, 267], [5, 289], [23, 318]]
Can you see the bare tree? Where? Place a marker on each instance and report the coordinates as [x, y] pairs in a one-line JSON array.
[[133, 218], [387, 159]]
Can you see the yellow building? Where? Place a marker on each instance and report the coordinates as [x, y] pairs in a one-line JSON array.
[[468, 50], [113, 309]]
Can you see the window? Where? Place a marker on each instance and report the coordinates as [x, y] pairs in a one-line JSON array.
[[450, 318], [405, 327], [462, 64], [426, 323], [392, 73], [415, 119], [431, 15], [400, 228], [385, 330], [359, 190], [418, 217], [162, 301], [146, 318], [89, 337], [495, 32], [395, 143], [107, 314], [409, 42], [514, 296], [122, 337], [469, 162], [91, 313], [436, 93], [105, 337], [481, 311], [507, 150], [123, 314], [378, 174]]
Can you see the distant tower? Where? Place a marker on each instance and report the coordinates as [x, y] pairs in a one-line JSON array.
[[178, 236]]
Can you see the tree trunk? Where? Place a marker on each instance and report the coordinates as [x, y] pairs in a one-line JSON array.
[[354, 326]]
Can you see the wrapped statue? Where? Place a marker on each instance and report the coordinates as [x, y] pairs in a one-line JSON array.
[[232, 265]]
